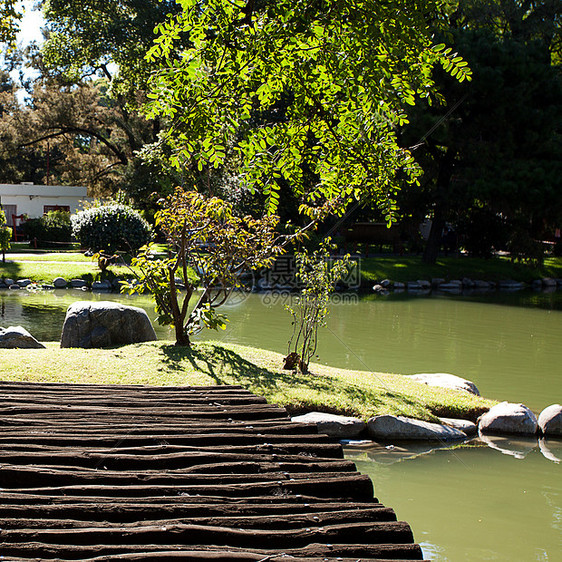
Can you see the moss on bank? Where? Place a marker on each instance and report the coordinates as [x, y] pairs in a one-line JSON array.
[[327, 389]]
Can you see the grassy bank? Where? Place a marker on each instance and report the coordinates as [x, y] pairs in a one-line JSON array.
[[411, 268], [327, 389], [44, 267]]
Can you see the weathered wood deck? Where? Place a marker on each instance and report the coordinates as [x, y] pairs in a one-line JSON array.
[[138, 473]]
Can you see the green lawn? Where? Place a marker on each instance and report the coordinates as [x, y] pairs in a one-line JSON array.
[[44, 267], [327, 389], [411, 268]]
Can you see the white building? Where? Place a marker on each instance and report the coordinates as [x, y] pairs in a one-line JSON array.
[[36, 200]]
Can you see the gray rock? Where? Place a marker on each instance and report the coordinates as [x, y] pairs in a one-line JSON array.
[[510, 285], [548, 282], [105, 324], [387, 428], [3, 285], [414, 286], [386, 283], [14, 287], [536, 284], [550, 421], [446, 380], [465, 426], [398, 285], [342, 427], [483, 285], [47, 287], [9, 281], [451, 287], [78, 283], [424, 284], [509, 418], [24, 282], [104, 285], [16, 337], [467, 283], [60, 283]]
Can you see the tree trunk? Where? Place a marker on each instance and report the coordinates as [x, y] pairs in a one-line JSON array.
[[433, 245], [442, 207], [182, 339]]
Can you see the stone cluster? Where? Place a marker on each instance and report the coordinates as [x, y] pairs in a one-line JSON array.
[[463, 286], [504, 418], [61, 283]]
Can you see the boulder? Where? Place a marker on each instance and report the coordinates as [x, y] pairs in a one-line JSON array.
[[388, 428], [511, 285], [342, 427], [60, 283], [24, 282], [78, 283], [9, 281], [465, 426], [548, 282], [446, 380], [104, 285], [105, 324], [550, 421], [16, 337], [510, 418]]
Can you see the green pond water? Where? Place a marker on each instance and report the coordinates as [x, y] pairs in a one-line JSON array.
[[500, 500]]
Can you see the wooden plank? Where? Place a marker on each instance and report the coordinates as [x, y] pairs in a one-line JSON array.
[[136, 472]]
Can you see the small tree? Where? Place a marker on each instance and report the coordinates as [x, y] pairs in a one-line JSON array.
[[318, 275], [209, 247], [5, 235], [111, 228]]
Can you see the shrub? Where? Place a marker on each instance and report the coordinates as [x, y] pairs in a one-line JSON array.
[[5, 235], [111, 228], [53, 227]]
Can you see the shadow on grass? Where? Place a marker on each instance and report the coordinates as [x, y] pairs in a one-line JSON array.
[[9, 270], [226, 366]]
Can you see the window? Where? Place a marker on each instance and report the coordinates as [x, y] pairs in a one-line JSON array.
[[48, 208]]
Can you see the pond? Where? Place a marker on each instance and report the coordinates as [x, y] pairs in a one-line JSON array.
[[469, 502]]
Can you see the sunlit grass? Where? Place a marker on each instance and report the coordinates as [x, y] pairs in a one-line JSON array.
[[357, 393]]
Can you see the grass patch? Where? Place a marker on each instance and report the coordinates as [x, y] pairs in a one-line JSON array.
[[327, 389], [411, 268], [41, 272], [59, 257]]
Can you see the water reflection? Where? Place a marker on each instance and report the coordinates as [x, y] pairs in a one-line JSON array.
[[518, 447], [515, 446], [551, 449]]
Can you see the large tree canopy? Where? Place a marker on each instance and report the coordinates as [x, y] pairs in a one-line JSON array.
[[308, 93], [495, 159], [109, 38]]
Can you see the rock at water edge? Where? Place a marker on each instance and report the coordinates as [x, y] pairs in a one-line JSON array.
[[16, 337], [388, 428], [105, 324], [509, 418], [446, 380], [343, 427], [465, 426], [550, 421]]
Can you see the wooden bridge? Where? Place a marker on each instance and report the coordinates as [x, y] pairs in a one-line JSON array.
[[194, 473]]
